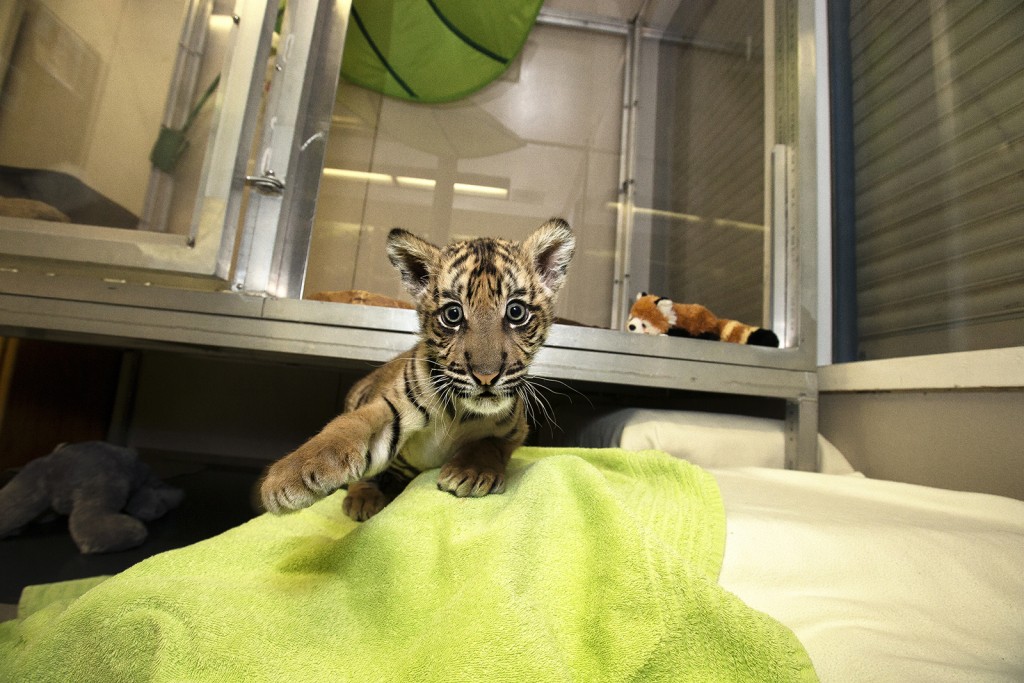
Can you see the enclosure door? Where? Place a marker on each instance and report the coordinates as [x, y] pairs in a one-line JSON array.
[[667, 140]]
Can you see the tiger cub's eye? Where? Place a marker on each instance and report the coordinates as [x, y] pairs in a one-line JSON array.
[[452, 315], [516, 312]]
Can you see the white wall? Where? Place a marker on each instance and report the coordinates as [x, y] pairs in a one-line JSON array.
[[963, 440], [949, 420]]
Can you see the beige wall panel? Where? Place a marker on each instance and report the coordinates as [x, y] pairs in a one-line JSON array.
[[964, 440]]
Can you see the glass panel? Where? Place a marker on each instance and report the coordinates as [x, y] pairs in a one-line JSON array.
[[938, 125], [699, 234], [547, 139], [84, 89], [541, 141]]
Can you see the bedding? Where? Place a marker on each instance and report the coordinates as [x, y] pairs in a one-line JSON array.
[[704, 439], [881, 581], [878, 581], [592, 566]]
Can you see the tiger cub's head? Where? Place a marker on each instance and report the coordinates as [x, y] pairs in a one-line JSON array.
[[485, 307]]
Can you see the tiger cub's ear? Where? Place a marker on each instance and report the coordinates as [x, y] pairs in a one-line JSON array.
[[414, 258], [550, 248]]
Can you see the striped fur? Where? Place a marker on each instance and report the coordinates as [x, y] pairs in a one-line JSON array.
[[656, 315], [456, 399]]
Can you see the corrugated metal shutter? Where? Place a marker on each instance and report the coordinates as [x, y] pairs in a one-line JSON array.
[[938, 110]]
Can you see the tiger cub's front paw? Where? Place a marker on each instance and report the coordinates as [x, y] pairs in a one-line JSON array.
[[364, 500], [319, 467], [465, 480]]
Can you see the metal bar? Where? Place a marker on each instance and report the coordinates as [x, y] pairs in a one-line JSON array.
[[632, 88], [598, 24], [803, 248], [777, 242], [131, 326], [262, 217], [801, 430], [666, 373], [298, 210], [219, 207], [124, 399], [624, 207], [768, 306], [734, 49]]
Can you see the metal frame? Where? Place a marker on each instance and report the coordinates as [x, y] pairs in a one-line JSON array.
[[293, 241], [277, 229], [279, 219], [627, 177], [37, 305], [802, 418]]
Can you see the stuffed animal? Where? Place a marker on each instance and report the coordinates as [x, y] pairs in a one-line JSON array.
[[105, 489], [652, 314], [360, 296], [16, 207]]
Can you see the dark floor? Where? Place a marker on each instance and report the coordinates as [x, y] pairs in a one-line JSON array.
[[217, 498]]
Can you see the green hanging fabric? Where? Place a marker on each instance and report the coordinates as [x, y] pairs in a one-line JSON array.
[[434, 50], [171, 143]]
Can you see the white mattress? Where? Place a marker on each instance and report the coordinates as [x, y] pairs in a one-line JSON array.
[[880, 581]]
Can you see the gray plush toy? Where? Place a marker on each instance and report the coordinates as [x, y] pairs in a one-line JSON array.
[[92, 482]]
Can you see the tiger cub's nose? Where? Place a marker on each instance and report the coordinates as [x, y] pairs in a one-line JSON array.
[[485, 378]]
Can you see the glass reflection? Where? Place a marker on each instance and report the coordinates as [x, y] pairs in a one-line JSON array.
[[86, 92]]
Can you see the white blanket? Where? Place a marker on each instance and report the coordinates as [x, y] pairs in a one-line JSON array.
[[881, 581]]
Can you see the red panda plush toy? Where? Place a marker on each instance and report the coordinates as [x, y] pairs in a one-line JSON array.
[[655, 315]]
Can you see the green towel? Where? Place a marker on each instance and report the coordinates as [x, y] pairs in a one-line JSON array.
[[594, 565]]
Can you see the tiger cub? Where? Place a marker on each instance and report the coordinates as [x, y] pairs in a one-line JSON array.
[[456, 399]]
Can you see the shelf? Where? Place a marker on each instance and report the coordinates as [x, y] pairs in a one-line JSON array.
[[137, 315]]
